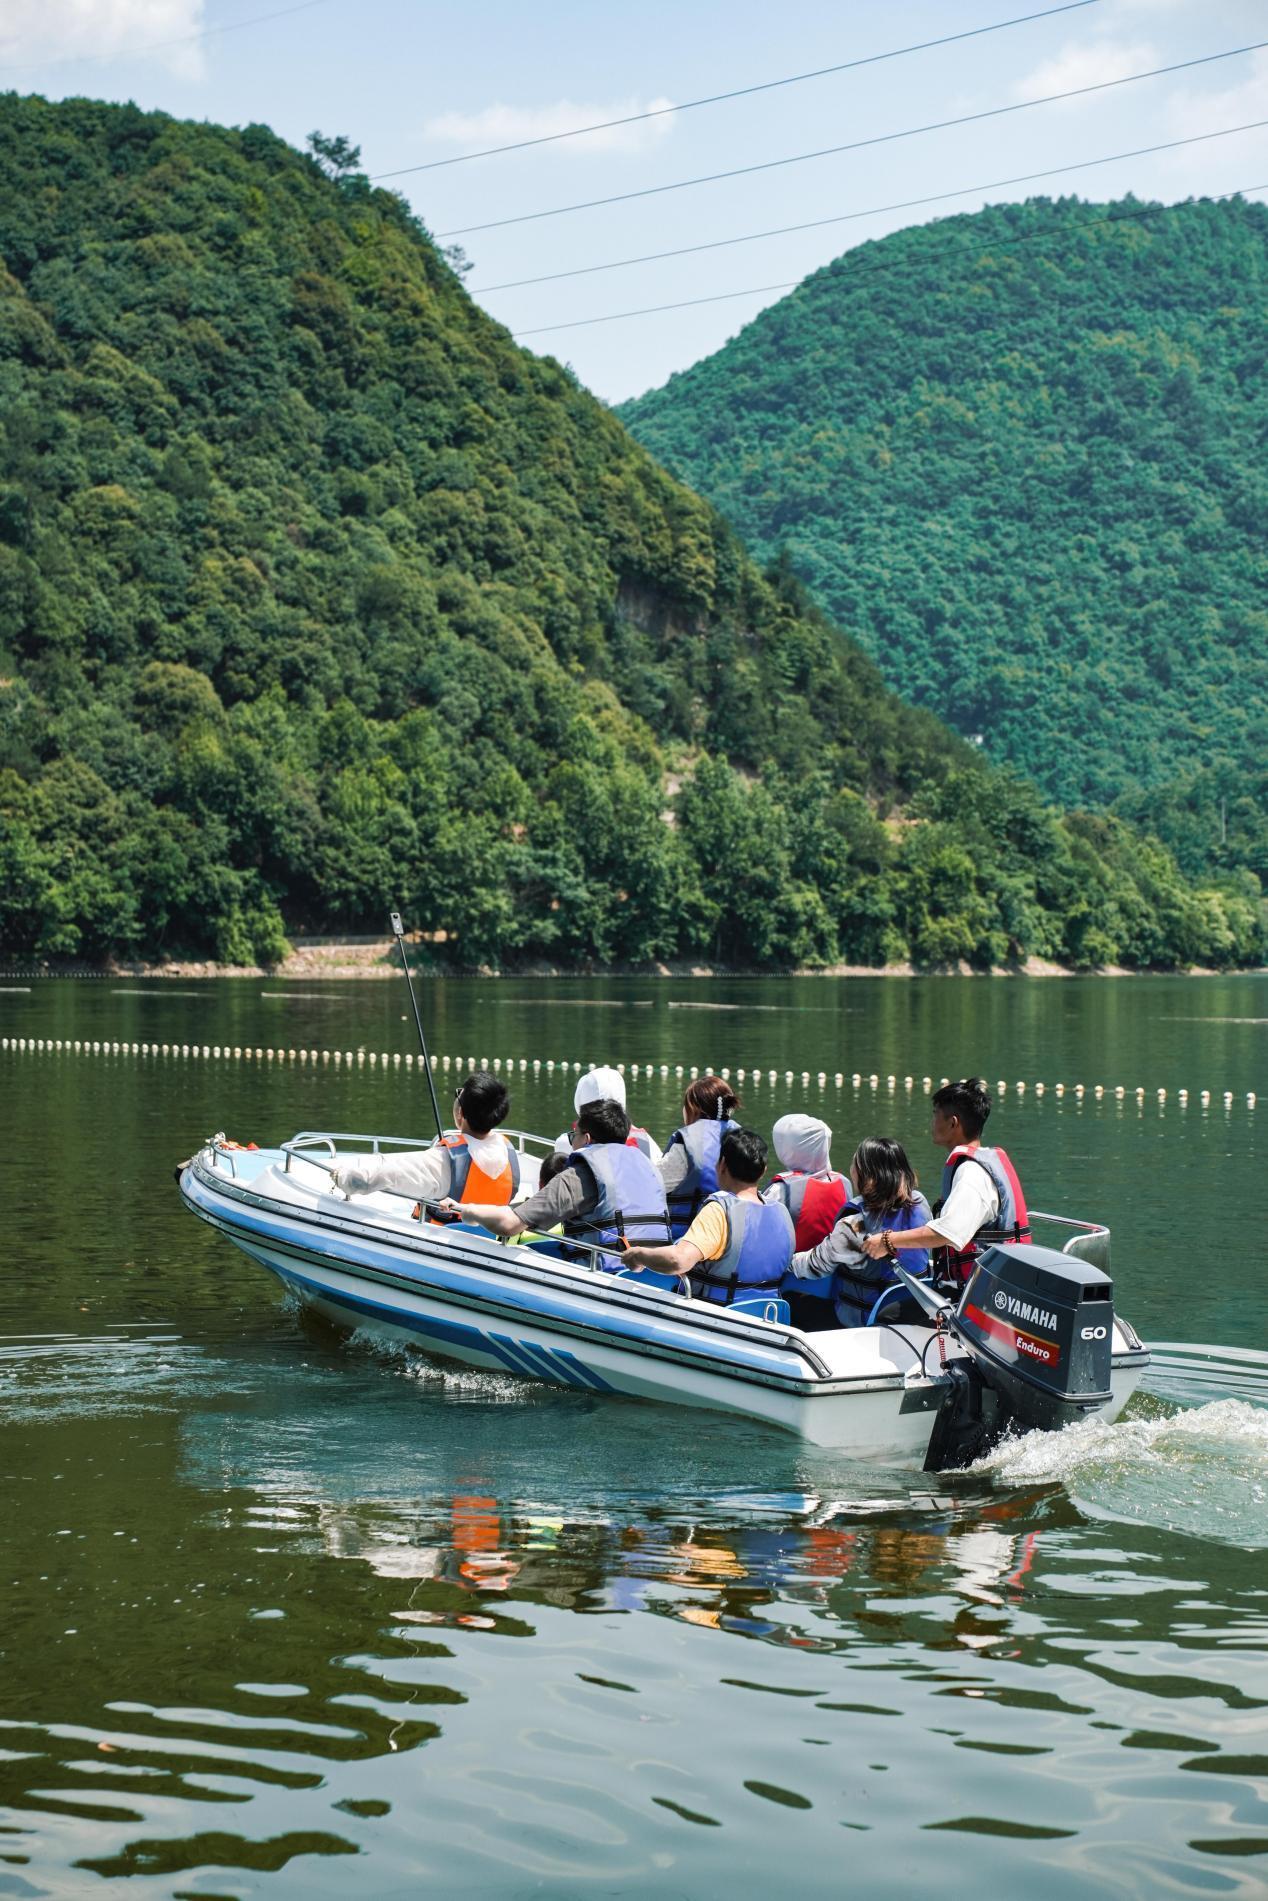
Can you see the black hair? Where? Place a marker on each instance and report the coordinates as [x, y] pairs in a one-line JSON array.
[[886, 1179], [484, 1100], [712, 1099], [552, 1166], [604, 1121], [970, 1100], [744, 1153]]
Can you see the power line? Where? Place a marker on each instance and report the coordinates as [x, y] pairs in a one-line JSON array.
[[881, 264], [160, 46], [858, 145], [740, 92], [872, 211]]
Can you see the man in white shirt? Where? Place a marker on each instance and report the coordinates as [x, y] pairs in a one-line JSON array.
[[983, 1194]]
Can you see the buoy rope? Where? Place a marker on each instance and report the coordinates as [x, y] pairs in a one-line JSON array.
[[537, 1066]]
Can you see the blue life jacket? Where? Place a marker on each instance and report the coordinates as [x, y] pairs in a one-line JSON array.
[[702, 1141], [854, 1294], [759, 1246], [631, 1204]]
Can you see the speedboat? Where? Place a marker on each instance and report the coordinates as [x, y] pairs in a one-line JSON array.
[[1032, 1340]]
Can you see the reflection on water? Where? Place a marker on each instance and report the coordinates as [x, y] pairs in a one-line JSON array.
[[284, 1615], [511, 1637]]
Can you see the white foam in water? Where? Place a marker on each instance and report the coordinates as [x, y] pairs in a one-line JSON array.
[[474, 1381], [1203, 1470]]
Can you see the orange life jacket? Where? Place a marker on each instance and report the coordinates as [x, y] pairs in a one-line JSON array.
[[468, 1181]]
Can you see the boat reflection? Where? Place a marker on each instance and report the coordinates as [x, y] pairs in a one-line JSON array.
[[807, 1578]]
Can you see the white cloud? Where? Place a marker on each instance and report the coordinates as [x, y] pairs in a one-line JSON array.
[[41, 33], [509, 125], [1087, 63], [1224, 162], [1192, 110]]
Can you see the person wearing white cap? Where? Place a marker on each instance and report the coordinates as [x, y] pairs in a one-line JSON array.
[[815, 1195], [605, 1085]]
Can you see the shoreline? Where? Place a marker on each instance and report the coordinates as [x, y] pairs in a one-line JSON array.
[[375, 961]]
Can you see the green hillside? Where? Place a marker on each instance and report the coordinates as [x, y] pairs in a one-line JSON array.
[[317, 592], [1021, 456]]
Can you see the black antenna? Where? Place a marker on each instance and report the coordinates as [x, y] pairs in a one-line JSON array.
[[398, 932]]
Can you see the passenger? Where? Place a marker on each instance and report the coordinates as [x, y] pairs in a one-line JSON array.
[[815, 1195], [886, 1204], [551, 1166], [809, 1187], [689, 1168], [604, 1191], [983, 1202], [476, 1164], [600, 1085], [738, 1244]]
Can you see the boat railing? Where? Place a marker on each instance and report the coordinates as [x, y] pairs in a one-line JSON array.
[[1090, 1240], [334, 1139], [596, 1258], [587, 1255]]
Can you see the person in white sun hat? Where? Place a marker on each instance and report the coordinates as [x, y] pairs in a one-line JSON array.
[[606, 1085]]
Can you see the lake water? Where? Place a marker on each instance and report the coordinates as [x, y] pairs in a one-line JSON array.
[[272, 1600]]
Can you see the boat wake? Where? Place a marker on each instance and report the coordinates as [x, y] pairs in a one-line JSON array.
[[458, 1382], [1191, 1373], [1202, 1470]]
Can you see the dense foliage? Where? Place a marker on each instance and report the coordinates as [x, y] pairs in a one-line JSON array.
[[1020, 455], [316, 592]]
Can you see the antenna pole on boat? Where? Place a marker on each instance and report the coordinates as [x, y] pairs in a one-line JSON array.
[[398, 932]]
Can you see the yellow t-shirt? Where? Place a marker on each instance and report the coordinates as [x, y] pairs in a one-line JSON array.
[[708, 1231]]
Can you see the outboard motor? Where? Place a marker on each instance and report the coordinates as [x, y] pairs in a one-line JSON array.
[[1038, 1327]]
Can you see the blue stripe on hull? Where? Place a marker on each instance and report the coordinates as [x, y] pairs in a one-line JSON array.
[[555, 1365], [621, 1327]]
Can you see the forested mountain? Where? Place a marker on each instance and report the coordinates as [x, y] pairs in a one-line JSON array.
[[1022, 456], [316, 591]]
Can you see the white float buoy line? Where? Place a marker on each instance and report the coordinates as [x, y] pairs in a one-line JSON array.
[[538, 1066]]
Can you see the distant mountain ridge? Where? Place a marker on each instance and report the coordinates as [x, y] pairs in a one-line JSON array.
[[317, 593], [1020, 455]]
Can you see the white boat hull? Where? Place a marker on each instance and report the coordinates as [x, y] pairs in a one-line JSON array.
[[462, 1297]]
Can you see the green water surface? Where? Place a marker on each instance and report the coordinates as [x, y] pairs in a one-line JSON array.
[[282, 1614]]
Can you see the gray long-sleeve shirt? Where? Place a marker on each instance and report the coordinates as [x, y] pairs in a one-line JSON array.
[[840, 1247]]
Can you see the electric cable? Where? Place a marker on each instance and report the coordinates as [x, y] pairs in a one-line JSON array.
[[739, 92], [881, 264], [872, 211], [858, 145]]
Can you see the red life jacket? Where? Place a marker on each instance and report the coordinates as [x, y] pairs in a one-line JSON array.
[[814, 1201], [1012, 1223], [639, 1139]]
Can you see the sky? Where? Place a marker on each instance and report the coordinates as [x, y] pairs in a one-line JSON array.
[[413, 83]]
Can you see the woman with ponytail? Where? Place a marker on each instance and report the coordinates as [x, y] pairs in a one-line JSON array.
[[689, 1166]]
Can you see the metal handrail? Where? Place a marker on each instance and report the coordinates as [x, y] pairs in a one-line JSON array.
[[1070, 1221], [216, 1144], [596, 1256], [331, 1137], [1090, 1242], [590, 1248]]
